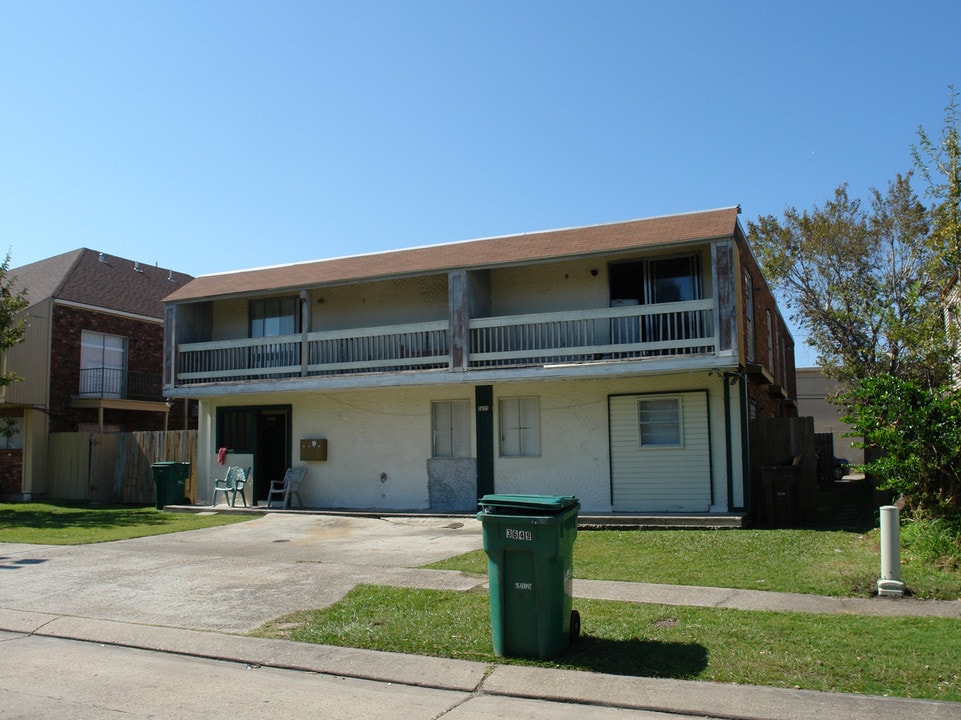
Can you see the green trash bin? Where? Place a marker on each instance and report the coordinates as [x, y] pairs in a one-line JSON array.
[[169, 481], [529, 542]]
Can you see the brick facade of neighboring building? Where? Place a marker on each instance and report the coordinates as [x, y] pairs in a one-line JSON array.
[[11, 470], [144, 355], [769, 351], [68, 294]]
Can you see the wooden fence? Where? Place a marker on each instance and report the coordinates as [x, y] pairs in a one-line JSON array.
[[784, 491], [116, 468]]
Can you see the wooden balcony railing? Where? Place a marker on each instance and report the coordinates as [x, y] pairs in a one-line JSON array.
[[611, 333], [545, 338]]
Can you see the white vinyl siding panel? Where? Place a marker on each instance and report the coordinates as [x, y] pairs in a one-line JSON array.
[[660, 479]]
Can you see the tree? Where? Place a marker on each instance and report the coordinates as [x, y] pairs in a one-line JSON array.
[[940, 164], [863, 282], [13, 325], [919, 431], [866, 284]]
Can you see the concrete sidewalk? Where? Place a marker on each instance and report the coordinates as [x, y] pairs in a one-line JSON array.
[[194, 595], [464, 689], [731, 598]]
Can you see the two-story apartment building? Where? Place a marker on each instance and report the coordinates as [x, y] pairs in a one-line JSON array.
[[619, 363], [91, 359]]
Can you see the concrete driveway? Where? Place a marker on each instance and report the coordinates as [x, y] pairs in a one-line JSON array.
[[236, 577]]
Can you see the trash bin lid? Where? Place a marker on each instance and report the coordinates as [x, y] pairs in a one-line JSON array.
[[533, 504]]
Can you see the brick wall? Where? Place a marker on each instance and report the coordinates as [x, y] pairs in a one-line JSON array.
[[11, 472], [144, 354], [773, 347]]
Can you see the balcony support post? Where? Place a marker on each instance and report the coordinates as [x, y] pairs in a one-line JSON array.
[[725, 297], [306, 315], [458, 310]]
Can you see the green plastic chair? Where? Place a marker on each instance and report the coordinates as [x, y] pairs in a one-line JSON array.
[[232, 483]]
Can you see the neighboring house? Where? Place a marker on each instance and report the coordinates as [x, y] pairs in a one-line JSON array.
[[813, 389], [619, 363], [91, 360]]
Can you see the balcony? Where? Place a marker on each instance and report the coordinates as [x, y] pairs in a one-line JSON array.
[[609, 334], [118, 384]]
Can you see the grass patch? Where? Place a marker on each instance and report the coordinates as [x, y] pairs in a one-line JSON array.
[[79, 524], [818, 562], [840, 653]]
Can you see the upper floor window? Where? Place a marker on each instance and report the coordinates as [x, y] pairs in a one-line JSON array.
[[749, 340], [771, 360], [275, 316], [658, 280], [103, 364]]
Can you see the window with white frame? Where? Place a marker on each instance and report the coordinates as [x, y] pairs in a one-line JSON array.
[[659, 422], [520, 427], [749, 341], [450, 420], [103, 364], [771, 360]]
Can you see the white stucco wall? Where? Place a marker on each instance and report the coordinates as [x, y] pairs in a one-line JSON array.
[[379, 440]]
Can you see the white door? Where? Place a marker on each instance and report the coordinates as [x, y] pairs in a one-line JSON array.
[[660, 453]]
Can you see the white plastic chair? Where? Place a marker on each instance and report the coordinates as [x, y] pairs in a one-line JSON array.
[[288, 487]]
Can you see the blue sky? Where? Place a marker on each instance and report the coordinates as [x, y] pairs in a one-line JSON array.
[[211, 135]]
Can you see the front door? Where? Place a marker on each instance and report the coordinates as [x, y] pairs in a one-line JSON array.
[[262, 431], [272, 457]]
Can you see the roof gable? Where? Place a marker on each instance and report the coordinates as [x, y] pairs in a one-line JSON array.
[[98, 280], [472, 254]]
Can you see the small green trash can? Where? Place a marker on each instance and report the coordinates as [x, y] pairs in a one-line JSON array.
[[529, 542], [169, 481]]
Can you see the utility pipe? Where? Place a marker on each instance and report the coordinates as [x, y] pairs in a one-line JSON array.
[[890, 582]]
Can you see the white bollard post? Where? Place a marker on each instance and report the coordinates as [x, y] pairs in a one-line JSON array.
[[890, 582]]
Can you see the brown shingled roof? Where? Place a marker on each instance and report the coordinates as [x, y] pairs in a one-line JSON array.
[[114, 284], [490, 252]]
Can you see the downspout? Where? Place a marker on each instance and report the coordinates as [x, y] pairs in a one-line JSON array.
[[727, 439], [745, 445], [739, 378]]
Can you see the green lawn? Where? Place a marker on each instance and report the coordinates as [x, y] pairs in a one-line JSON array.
[[918, 658], [78, 524], [816, 562], [905, 657]]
